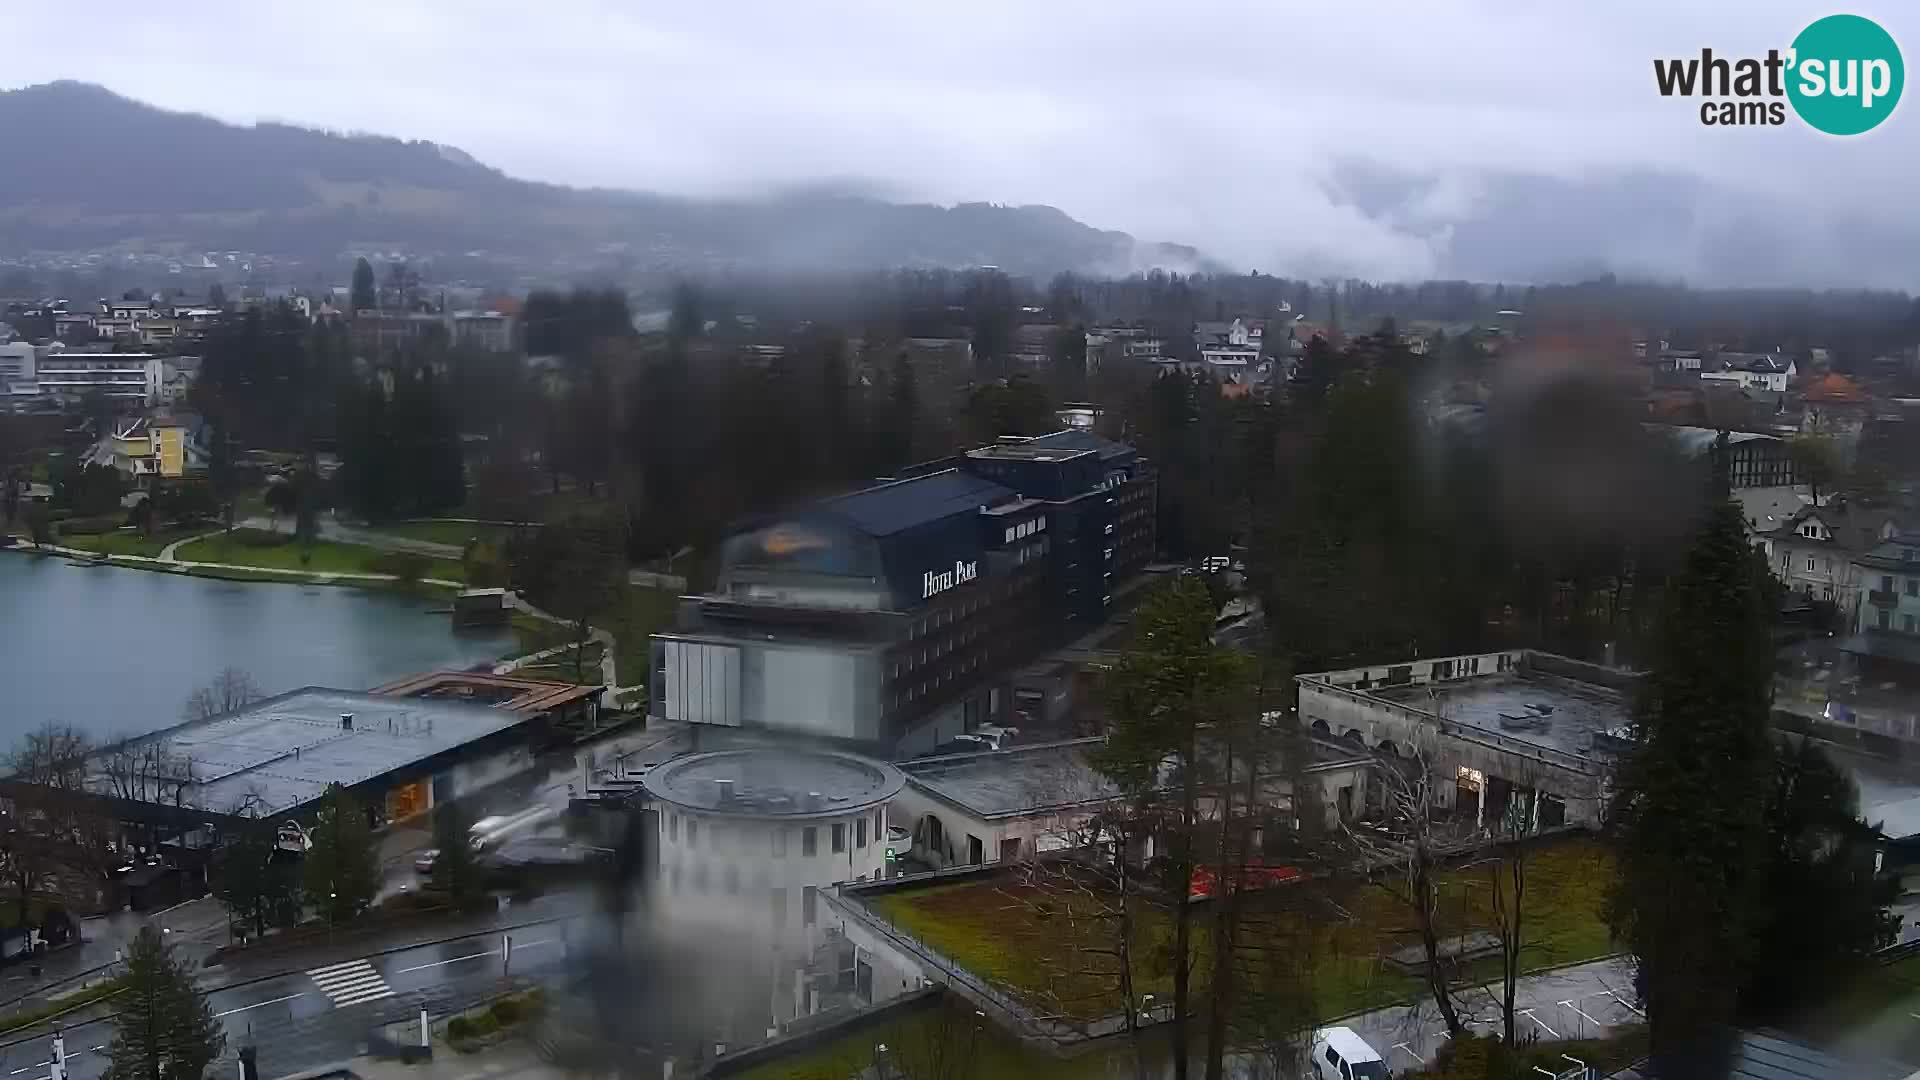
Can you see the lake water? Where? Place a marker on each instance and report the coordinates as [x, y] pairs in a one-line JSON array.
[[113, 650]]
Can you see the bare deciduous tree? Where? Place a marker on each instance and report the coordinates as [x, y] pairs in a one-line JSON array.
[[1403, 859], [1088, 882], [56, 822], [229, 690]]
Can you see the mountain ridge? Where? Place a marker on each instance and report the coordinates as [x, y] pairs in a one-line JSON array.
[[105, 172]]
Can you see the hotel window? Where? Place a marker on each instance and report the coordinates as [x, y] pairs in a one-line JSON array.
[[1809, 564], [839, 837], [1906, 623], [778, 906], [808, 897], [860, 834], [779, 842], [809, 842], [693, 831], [673, 828]]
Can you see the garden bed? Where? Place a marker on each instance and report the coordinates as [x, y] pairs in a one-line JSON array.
[[1007, 933]]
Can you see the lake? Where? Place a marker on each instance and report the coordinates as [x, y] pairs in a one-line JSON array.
[[113, 650]]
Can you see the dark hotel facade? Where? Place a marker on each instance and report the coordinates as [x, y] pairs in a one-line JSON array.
[[895, 616]]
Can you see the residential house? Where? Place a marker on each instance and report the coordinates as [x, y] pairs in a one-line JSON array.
[[1764, 371], [1754, 460], [1836, 406], [485, 331], [1814, 553], [1890, 573], [144, 449]]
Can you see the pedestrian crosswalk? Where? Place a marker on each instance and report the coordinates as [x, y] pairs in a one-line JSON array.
[[351, 983]]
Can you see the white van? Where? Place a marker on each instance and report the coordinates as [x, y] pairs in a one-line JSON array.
[[1340, 1054]]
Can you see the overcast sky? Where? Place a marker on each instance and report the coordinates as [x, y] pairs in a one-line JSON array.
[[1376, 139]]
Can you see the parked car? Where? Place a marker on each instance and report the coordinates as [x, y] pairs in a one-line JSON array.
[[423, 862], [1339, 1053], [995, 736]]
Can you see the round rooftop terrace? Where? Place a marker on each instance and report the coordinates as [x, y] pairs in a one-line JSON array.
[[778, 783]]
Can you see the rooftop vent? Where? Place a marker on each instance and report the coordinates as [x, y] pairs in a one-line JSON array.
[[346, 721]]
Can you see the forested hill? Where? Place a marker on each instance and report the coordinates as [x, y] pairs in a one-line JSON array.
[[91, 170]]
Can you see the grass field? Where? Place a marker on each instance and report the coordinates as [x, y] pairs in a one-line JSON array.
[[132, 542], [1009, 933], [452, 533], [257, 547], [1873, 1014], [644, 613]]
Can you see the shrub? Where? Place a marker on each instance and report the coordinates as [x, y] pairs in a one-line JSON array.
[[459, 1028], [483, 1024], [506, 1012]]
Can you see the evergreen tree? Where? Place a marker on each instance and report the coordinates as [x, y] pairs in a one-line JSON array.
[[340, 875], [1825, 910], [455, 869], [259, 890], [364, 297], [163, 1027], [1692, 802], [1173, 684]]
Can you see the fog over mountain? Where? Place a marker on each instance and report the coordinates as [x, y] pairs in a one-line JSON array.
[[1396, 140], [109, 172]]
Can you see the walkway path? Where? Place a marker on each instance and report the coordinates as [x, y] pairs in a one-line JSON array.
[[162, 562], [167, 560], [594, 633], [167, 553], [332, 529]]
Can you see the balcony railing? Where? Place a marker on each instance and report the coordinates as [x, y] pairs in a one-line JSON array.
[[1883, 598]]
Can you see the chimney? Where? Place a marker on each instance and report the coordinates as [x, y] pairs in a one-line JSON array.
[[813, 801], [346, 721], [726, 791]]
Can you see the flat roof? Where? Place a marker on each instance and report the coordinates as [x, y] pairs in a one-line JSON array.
[[1532, 707], [783, 782], [1023, 779], [996, 783], [284, 751]]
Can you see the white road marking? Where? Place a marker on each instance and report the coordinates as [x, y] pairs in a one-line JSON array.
[[258, 1004], [1583, 1016], [455, 960], [517, 946], [1409, 1050], [351, 983], [35, 1065], [1528, 1013]]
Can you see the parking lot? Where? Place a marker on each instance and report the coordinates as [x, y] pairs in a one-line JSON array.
[[1583, 1002]]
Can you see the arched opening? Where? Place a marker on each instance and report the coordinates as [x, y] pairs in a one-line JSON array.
[[1387, 748], [1320, 728], [1353, 736]]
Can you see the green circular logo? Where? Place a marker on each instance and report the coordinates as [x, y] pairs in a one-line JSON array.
[[1846, 75]]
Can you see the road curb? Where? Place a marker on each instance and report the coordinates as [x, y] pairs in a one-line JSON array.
[[252, 980], [448, 940]]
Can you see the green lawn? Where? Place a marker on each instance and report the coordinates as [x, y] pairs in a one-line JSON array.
[[1020, 938], [452, 533], [1874, 1014], [132, 541], [257, 547], [644, 613]]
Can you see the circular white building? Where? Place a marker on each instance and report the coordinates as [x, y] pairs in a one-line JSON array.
[[749, 836]]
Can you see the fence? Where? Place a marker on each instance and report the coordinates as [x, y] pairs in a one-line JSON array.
[[1053, 1032]]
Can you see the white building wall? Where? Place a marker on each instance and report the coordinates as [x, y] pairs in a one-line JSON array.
[[719, 869]]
